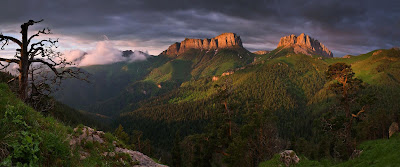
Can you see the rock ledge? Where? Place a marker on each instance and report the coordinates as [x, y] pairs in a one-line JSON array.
[[84, 136], [225, 40], [305, 44]]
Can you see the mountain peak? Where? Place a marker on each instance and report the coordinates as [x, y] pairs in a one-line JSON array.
[[305, 44], [225, 40]]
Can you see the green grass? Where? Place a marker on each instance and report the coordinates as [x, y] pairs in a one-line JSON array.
[[382, 152], [175, 70], [304, 162], [29, 137], [225, 60], [351, 60], [378, 66]]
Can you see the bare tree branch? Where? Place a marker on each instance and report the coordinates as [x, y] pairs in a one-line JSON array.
[[64, 72], [9, 60], [4, 66], [39, 46], [35, 52], [36, 78], [51, 66], [13, 79], [360, 112], [6, 38], [31, 22], [43, 31]]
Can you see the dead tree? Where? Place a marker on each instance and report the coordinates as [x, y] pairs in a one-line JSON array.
[[32, 54]]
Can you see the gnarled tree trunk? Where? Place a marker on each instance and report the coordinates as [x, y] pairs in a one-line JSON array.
[[24, 64]]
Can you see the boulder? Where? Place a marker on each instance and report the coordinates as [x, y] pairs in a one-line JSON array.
[[214, 78], [144, 161], [289, 157], [83, 155], [88, 134], [356, 153], [394, 128]]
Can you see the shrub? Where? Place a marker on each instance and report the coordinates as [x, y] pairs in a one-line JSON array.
[[55, 150], [25, 150]]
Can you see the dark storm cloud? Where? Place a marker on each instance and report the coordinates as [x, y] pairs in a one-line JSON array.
[[346, 27]]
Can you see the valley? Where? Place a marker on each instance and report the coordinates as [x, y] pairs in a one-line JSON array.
[[211, 83], [184, 93]]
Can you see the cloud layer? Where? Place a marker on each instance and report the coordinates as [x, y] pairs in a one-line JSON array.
[[104, 53], [346, 27]]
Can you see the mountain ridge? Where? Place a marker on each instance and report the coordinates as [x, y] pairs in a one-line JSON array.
[[305, 44], [224, 40]]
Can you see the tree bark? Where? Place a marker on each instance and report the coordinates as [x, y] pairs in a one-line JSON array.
[[24, 63], [230, 121], [26, 57]]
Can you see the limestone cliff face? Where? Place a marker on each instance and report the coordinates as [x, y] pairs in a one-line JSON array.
[[305, 44], [261, 52], [225, 40], [173, 49]]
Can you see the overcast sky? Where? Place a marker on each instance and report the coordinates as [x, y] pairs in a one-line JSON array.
[[345, 27]]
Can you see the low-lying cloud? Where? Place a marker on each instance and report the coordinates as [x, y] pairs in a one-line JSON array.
[[104, 52]]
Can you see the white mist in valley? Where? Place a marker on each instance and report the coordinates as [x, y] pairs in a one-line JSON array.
[[104, 52]]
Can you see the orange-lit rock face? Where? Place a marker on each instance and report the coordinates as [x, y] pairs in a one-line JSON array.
[[191, 43], [261, 52], [227, 40], [173, 49], [214, 78], [224, 40], [305, 44], [206, 43]]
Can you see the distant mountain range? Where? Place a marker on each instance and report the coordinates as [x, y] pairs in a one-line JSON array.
[[177, 90], [190, 59]]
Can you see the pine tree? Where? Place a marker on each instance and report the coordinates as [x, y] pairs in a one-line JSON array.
[[121, 134]]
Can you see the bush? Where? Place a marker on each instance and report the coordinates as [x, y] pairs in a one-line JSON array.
[[25, 150], [55, 150], [89, 145], [109, 137]]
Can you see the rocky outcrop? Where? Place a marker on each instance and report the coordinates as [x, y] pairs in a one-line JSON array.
[[305, 44], [215, 78], [377, 52], [144, 160], [127, 53], [289, 157], [347, 57], [173, 49], [356, 153], [85, 138], [261, 52], [225, 40], [394, 128], [227, 73], [88, 135]]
